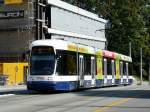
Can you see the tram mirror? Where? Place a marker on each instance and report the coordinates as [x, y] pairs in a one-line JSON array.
[[27, 55], [58, 57]]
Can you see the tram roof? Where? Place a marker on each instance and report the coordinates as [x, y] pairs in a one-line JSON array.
[[64, 45], [70, 46], [125, 58], [113, 55]]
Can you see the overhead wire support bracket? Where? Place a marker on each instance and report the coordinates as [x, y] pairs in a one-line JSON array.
[[41, 4], [40, 20]]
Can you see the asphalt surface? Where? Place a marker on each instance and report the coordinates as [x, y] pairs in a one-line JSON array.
[[134, 98]]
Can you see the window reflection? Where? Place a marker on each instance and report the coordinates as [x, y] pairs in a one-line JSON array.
[[66, 63]]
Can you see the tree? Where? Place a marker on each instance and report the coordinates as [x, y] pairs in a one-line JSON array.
[[130, 22]]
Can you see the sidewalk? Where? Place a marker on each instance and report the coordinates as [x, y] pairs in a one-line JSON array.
[[137, 82], [12, 88]]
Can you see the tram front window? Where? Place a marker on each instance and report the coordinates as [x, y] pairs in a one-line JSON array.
[[42, 61]]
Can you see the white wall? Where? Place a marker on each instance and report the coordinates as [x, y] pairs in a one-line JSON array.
[[67, 21]]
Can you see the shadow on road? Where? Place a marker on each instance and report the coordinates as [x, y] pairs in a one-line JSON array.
[[17, 92], [30, 92], [144, 94]]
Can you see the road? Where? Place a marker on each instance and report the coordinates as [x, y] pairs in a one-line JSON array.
[[134, 98]]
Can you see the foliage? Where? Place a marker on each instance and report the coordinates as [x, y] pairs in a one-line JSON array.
[[130, 22]]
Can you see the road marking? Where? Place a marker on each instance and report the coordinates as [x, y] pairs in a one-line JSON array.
[[6, 95], [118, 102], [115, 103]]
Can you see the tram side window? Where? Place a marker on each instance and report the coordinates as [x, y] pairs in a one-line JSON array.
[[87, 64], [113, 67], [104, 66], [124, 68], [130, 68], [109, 67], [121, 68], [66, 63]]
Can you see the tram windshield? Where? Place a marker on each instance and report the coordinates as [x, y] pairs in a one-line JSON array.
[[42, 60]]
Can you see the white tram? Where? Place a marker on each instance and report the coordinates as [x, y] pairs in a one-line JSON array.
[[66, 66]]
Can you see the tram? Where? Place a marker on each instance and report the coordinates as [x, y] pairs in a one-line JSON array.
[[66, 66]]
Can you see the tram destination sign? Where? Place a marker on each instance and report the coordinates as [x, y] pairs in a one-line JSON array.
[[11, 14]]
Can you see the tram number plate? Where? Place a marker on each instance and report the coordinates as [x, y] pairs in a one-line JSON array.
[[40, 78]]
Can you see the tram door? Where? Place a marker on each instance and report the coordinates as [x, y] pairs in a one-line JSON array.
[[121, 71], [93, 71], [113, 71], [81, 71], [105, 71], [127, 72]]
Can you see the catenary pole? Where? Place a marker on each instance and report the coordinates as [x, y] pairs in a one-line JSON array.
[[149, 71], [141, 74], [130, 49]]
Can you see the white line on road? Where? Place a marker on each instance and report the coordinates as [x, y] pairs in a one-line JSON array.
[[6, 95]]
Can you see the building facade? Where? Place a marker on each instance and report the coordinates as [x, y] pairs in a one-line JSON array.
[[63, 21], [71, 23], [16, 28]]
